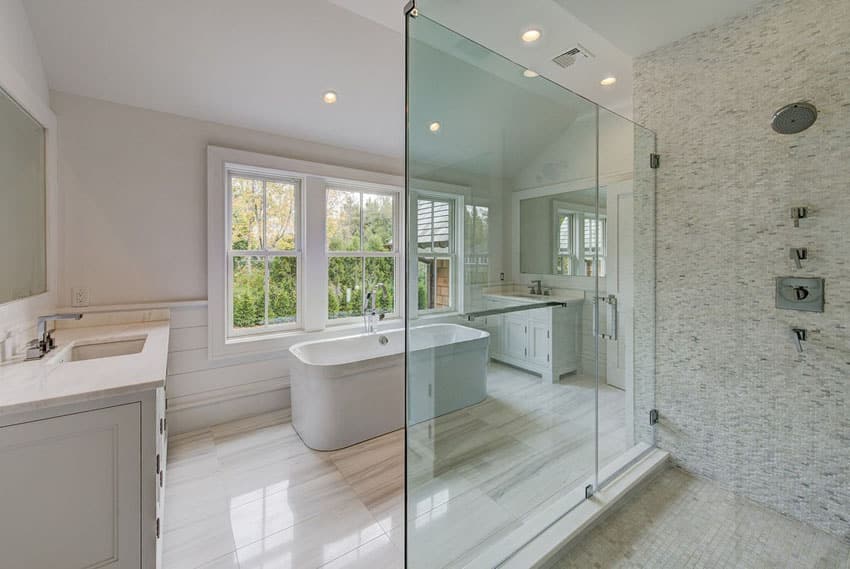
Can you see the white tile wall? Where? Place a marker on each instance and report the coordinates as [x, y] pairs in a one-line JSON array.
[[738, 403]]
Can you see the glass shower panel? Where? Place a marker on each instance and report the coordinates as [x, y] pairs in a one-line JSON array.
[[623, 247], [501, 385]]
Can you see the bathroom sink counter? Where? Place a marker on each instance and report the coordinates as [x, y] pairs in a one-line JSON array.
[[27, 386], [568, 296]]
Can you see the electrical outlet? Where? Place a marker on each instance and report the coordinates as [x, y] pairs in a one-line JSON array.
[[80, 296]]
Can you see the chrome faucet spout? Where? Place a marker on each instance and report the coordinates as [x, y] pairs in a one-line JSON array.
[[43, 342]]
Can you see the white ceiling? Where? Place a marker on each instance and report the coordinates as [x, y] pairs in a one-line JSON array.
[[260, 64], [263, 64], [637, 27]]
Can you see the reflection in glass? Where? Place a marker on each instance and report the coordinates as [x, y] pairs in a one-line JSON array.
[[527, 191], [22, 203]]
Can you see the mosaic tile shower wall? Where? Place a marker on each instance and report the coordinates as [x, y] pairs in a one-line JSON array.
[[738, 403]]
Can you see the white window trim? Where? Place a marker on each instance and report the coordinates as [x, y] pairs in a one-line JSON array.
[[457, 194], [312, 300]]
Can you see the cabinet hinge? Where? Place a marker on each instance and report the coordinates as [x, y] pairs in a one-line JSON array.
[[161, 482], [547, 334], [525, 351], [157, 463], [161, 426], [526, 329], [157, 528], [547, 357], [653, 416], [654, 160]]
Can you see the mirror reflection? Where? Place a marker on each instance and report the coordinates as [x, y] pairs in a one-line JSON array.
[[560, 234], [22, 203]]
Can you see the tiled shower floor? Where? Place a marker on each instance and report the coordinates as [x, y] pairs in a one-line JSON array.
[[679, 521]]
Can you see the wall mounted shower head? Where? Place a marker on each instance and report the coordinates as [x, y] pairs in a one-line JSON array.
[[794, 118]]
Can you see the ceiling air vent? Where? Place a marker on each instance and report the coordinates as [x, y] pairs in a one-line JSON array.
[[577, 53]]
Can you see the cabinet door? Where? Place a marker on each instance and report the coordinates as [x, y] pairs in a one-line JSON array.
[[70, 491], [538, 342], [515, 337], [493, 325]]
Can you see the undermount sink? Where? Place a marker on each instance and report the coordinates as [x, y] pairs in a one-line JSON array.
[[105, 349]]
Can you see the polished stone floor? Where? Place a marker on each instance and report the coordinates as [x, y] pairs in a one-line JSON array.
[[250, 495], [680, 521]]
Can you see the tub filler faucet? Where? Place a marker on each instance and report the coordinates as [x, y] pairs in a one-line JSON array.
[[370, 311]]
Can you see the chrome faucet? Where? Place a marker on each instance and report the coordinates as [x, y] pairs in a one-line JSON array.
[[43, 342], [536, 287], [371, 312]]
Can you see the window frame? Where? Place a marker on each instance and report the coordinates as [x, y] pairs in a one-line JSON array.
[[266, 175], [310, 245], [456, 244], [579, 214], [395, 253]]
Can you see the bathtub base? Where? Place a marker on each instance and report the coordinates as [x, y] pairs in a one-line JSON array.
[[334, 413]]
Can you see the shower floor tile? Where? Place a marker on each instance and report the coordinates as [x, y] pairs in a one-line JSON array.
[[678, 520]]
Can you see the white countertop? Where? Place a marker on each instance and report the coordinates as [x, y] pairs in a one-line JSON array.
[[569, 297], [28, 386]]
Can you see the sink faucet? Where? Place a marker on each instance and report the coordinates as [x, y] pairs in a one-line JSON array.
[[370, 312], [43, 342], [536, 287]]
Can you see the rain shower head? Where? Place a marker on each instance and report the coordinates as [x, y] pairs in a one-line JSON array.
[[794, 118]]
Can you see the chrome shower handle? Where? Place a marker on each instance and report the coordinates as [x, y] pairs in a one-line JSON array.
[[799, 335]]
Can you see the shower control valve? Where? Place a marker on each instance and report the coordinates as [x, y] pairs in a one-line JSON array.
[[798, 255], [798, 213]]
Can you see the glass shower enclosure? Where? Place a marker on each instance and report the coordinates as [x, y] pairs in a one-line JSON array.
[[530, 223]]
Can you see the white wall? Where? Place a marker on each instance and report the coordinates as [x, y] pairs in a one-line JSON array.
[[18, 50], [22, 76], [134, 231], [134, 187]]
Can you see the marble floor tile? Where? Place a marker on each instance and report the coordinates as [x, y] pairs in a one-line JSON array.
[[380, 553], [251, 494], [314, 542]]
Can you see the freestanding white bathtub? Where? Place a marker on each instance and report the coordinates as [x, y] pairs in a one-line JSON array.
[[348, 390]]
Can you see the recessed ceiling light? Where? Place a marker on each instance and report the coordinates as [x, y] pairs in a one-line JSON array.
[[532, 35], [530, 74], [608, 81], [434, 126], [329, 97]]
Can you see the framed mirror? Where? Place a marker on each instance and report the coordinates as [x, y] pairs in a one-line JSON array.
[[23, 201], [560, 234]]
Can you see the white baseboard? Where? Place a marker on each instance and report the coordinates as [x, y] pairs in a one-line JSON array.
[[201, 410]]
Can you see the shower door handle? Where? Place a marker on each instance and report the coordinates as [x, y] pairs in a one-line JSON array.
[[611, 317]]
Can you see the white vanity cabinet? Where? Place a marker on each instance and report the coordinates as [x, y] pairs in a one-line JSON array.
[[543, 341], [81, 485]]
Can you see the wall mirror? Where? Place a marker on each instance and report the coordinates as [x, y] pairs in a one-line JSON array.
[[23, 255], [561, 234]]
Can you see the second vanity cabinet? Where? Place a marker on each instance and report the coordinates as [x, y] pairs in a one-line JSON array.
[[543, 341]]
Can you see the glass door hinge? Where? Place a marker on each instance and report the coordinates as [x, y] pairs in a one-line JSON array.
[[653, 416], [588, 491], [654, 160]]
